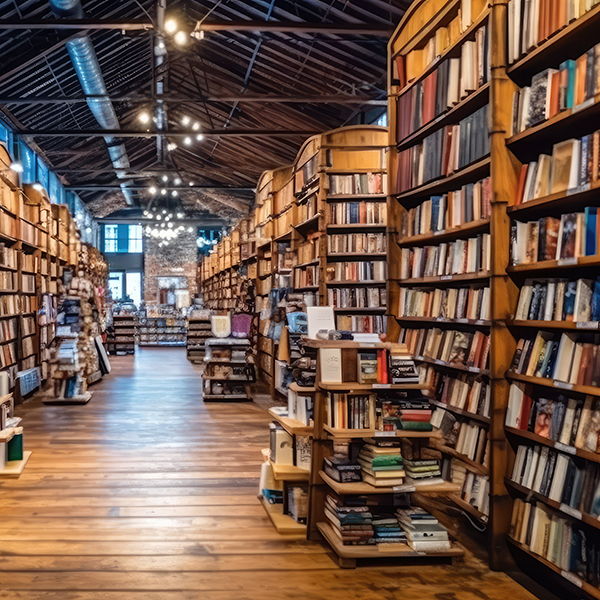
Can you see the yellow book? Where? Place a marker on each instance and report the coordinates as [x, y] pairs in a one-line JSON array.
[[454, 31], [414, 64], [442, 40]]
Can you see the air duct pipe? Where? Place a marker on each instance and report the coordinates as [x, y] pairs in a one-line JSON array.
[[85, 62]]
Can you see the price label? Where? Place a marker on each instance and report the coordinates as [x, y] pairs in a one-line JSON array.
[[569, 510], [479, 322], [381, 434], [418, 358], [366, 345], [441, 232], [439, 362], [475, 369], [402, 489], [572, 578], [382, 386], [565, 262], [462, 320], [563, 385], [587, 325], [446, 278], [564, 448]]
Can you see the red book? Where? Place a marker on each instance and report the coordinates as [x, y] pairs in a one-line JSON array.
[[521, 187]]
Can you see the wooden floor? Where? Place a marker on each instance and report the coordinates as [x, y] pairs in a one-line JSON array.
[[148, 493]]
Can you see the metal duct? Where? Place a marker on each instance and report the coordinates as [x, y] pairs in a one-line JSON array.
[[85, 62]]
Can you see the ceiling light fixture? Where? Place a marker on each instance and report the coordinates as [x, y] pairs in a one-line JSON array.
[[17, 167], [152, 190], [144, 117], [199, 137], [196, 126], [181, 38], [171, 26], [185, 120], [187, 141], [163, 192], [177, 181]]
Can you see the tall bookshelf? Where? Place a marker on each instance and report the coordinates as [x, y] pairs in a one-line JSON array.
[[570, 41], [422, 53]]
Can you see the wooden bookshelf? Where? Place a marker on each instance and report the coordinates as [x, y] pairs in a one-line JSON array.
[[553, 383], [283, 523], [460, 411], [466, 230]]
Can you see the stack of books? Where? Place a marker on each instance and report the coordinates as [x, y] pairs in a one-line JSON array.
[[423, 531], [352, 524], [387, 530], [423, 471], [381, 463], [416, 415], [342, 469]]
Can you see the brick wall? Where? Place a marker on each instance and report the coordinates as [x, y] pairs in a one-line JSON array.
[[178, 259]]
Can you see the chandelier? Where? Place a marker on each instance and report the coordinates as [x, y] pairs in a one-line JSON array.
[[166, 222]]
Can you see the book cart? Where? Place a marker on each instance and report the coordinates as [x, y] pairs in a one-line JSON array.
[[321, 483]]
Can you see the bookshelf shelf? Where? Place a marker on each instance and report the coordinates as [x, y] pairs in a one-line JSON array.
[[316, 261], [353, 553], [381, 435], [292, 426], [289, 472], [445, 279], [348, 433], [360, 309], [467, 229], [446, 322], [550, 265], [575, 581], [538, 439], [311, 224], [301, 390], [570, 42], [356, 226], [353, 283], [467, 507], [355, 386], [460, 411], [333, 256], [553, 383], [471, 464], [453, 366], [15, 468], [284, 524], [471, 103], [569, 123], [361, 487], [308, 288], [565, 325], [556, 204], [365, 197], [472, 172]]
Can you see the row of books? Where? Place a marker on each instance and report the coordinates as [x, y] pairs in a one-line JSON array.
[[466, 437], [572, 548], [8, 257], [559, 300], [362, 324], [475, 488], [374, 270], [440, 213], [373, 243], [358, 183], [352, 524], [445, 151], [450, 347], [8, 330], [548, 238], [412, 65], [445, 303], [464, 392], [569, 421], [353, 213], [574, 165], [454, 258], [349, 411], [359, 297], [452, 81], [567, 359], [306, 277], [13, 305], [27, 347], [398, 413], [532, 21], [8, 281], [555, 90], [558, 477], [8, 354]]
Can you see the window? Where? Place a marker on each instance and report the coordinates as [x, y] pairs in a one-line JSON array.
[[382, 121], [123, 238]]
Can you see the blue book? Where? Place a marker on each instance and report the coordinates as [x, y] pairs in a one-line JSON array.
[[435, 213], [354, 212], [596, 301], [591, 217]]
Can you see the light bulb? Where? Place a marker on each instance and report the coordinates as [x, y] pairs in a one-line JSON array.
[[171, 26], [199, 137], [196, 126], [177, 181], [163, 192], [191, 184], [170, 224], [190, 229], [174, 193], [165, 178], [17, 167], [171, 146], [185, 120], [144, 117], [38, 187], [164, 212], [187, 141], [152, 190], [181, 38], [158, 217], [170, 215], [180, 215]]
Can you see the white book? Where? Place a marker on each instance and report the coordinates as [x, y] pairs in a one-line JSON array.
[[515, 405], [558, 479], [541, 467], [564, 357], [550, 295], [518, 466], [535, 458]]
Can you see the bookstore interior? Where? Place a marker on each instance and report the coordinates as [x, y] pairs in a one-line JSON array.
[[300, 294]]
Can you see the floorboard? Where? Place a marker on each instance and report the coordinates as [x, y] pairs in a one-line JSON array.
[[147, 493]]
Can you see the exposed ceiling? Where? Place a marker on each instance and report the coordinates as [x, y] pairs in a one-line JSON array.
[[219, 82]]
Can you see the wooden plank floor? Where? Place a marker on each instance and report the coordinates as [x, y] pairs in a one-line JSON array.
[[148, 493]]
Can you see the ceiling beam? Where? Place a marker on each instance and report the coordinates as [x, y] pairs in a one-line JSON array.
[[315, 99], [296, 27], [180, 188], [78, 24], [267, 26], [120, 133]]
